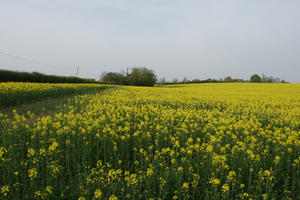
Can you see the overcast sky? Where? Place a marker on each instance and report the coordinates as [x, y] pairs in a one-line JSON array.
[[176, 38]]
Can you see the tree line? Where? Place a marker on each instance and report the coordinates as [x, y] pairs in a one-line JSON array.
[[36, 77], [137, 76], [253, 79], [265, 79]]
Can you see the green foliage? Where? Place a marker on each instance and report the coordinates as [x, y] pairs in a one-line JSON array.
[[114, 78], [175, 81], [228, 79], [255, 79], [271, 79], [36, 77], [138, 77], [142, 77]]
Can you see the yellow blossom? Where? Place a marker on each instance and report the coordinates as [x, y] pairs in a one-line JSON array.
[[113, 197], [31, 152], [214, 181], [53, 146], [32, 173], [4, 190], [97, 193], [225, 187], [185, 185]]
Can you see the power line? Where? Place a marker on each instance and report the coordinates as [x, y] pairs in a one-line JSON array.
[[32, 61]]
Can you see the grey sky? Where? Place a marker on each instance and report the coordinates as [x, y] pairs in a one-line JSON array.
[[176, 38]]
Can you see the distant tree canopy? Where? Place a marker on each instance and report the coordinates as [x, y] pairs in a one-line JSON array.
[[255, 79], [142, 77], [113, 78], [265, 79], [228, 79], [271, 79], [138, 77]]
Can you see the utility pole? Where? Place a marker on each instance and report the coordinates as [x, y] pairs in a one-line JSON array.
[[77, 72]]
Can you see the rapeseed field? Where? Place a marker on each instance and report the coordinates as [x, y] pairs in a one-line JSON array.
[[201, 141], [12, 94]]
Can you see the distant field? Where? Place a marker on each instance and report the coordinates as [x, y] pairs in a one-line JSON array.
[[197, 141]]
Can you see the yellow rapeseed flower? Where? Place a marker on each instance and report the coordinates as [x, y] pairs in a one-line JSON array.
[[185, 185], [225, 187], [53, 146], [32, 173], [31, 152], [4, 190], [214, 181], [113, 197], [97, 193]]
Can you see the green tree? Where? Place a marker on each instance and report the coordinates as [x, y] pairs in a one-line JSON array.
[[113, 78], [255, 79], [142, 77], [228, 79]]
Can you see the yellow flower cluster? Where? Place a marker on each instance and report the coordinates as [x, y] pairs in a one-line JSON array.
[[4, 190]]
